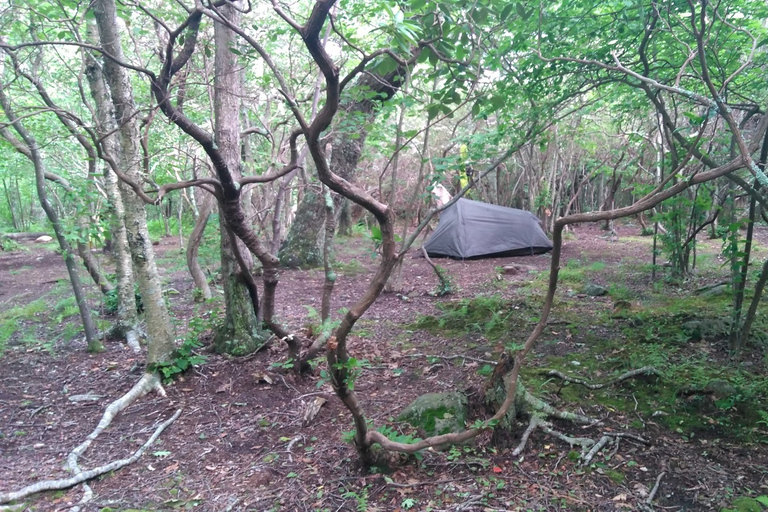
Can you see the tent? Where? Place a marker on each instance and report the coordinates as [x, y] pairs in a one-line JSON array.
[[471, 229]]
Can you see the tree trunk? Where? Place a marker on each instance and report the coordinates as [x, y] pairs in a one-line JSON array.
[[159, 331], [241, 333], [303, 245], [203, 291], [127, 314]]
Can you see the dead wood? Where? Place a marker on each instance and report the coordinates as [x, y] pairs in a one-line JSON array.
[[645, 370], [147, 383], [24, 236], [64, 483]]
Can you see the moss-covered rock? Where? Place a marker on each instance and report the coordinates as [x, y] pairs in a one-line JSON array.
[[721, 389], [595, 290], [436, 413]]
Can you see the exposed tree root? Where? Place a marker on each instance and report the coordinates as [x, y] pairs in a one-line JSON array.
[[589, 447], [645, 370], [51, 485], [543, 407], [147, 383], [132, 340], [538, 422]]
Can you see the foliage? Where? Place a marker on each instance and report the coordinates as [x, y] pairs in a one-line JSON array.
[[491, 316], [446, 284], [10, 245], [185, 355], [111, 302]]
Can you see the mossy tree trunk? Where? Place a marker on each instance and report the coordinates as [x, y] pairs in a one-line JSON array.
[[241, 333], [303, 245]]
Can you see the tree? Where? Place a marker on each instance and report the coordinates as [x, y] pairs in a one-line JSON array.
[[128, 160], [241, 333], [28, 147]]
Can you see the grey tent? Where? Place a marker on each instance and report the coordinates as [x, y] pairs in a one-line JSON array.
[[470, 229]]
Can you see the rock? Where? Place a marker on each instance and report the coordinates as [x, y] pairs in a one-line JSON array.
[[720, 389], [717, 291], [513, 270], [621, 306], [595, 290], [43, 239], [707, 328], [437, 413]]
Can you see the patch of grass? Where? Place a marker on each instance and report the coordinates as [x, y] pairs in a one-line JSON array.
[[352, 267], [11, 320], [573, 273], [597, 266], [491, 316], [65, 308], [25, 312]]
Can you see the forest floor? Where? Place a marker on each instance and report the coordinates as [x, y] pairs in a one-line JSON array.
[[240, 442]]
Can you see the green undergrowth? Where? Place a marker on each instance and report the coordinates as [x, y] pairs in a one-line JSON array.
[[701, 390], [43, 322], [490, 316]]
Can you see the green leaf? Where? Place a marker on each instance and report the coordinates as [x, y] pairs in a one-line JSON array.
[[376, 233], [507, 11]]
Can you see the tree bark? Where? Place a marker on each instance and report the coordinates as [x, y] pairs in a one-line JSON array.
[[193, 246], [159, 330], [241, 333]]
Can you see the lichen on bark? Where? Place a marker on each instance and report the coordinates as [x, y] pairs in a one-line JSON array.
[[303, 247]]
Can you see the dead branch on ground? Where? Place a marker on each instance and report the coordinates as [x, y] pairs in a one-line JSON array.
[[51, 485], [645, 370], [147, 383]]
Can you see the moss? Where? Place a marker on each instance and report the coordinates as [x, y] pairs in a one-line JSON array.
[[616, 477], [744, 504], [436, 413]]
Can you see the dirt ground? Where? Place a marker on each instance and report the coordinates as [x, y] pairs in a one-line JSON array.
[[240, 443]]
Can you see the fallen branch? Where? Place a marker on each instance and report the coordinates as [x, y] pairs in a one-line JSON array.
[[645, 370], [430, 482], [655, 489], [83, 476], [648, 505], [451, 358], [595, 449], [146, 384]]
